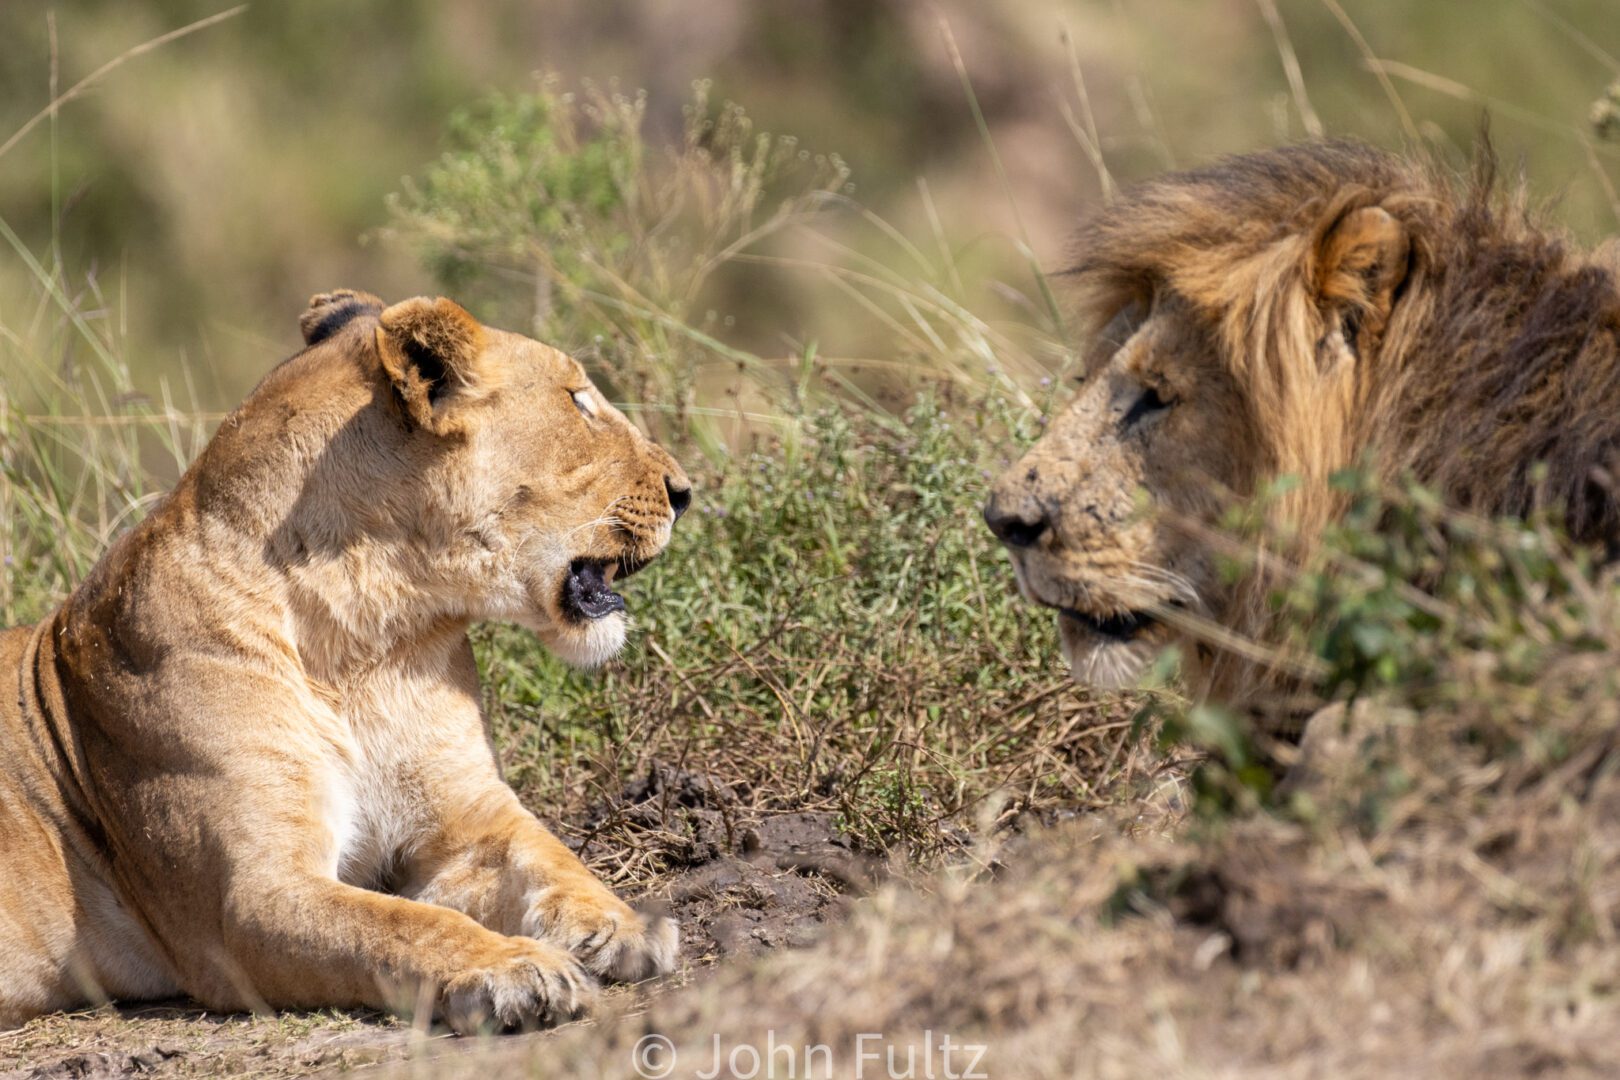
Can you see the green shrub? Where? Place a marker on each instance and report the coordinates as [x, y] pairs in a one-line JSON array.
[[833, 627], [1419, 608], [550, 211]]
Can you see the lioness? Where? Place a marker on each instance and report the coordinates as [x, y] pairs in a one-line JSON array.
[[1294, 312], [245, 760]]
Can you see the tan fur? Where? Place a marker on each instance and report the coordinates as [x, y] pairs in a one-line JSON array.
[[245, 761], [1304, 310]]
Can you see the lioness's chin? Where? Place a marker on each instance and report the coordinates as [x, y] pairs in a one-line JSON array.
[[586, 644], [1103, 662]]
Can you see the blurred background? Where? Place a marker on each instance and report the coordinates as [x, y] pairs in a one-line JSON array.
[[203, 189]]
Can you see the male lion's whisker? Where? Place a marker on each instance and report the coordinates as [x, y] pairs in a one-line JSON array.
[[1181, 588]]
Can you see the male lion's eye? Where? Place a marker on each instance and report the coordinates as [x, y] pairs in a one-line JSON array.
[[1350, 330], [1126, 321], [1149, 403]]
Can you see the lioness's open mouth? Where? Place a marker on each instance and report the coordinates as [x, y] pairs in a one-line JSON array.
[[1123, 627], [586, 593]]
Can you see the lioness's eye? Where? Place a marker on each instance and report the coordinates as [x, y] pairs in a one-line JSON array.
[[1149, 403], [582, 402]]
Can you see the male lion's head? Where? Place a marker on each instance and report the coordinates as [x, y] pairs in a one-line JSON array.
[[442, 469], [1236, 318]]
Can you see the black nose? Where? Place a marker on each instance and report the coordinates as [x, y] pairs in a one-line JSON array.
[[1012, 528], [679, 497]]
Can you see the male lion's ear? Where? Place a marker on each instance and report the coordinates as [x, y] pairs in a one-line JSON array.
[[1361, 259], [431, 350]]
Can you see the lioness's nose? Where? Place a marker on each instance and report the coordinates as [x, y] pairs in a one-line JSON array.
[[680, 495], [1015, 528]]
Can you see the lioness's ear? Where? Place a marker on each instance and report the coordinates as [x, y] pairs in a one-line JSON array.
[[330, 312], [431, 350], [1361, 259]]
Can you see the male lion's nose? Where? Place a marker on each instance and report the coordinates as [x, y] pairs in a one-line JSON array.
[[1015, 528], [680, 495]]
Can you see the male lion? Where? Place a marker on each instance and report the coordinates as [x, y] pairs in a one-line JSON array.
[[1294, 312], [245, 760]]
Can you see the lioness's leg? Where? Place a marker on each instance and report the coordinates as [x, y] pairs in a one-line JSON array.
[[493, 860], [317, 942]]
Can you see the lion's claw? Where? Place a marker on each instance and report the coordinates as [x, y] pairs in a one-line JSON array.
[[609, 937], [537, 986]]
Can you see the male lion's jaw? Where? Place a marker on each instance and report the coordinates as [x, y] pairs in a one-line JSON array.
[[1108, 651], [1105, 660]]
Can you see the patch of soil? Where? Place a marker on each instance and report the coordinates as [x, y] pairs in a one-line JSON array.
[[738, 880], [101, 1064], [177, 1039]]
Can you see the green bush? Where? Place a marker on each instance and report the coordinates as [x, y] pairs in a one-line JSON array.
[[549, 211], [1417, 608]]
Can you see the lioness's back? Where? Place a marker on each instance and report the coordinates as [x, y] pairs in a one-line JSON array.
[[12, 643], [13, 646], [33, 879]]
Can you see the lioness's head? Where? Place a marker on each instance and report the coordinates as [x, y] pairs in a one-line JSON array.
[[439, 468], [1236, 319]]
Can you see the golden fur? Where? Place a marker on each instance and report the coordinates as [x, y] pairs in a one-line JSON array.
[[1294, 312], [245, 760]]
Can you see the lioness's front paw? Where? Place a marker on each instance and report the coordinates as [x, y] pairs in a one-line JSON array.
[[638, 948], [609, 937], [534, 985]]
